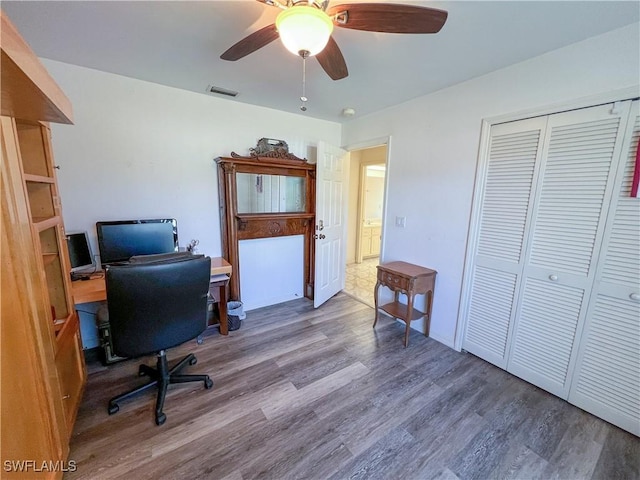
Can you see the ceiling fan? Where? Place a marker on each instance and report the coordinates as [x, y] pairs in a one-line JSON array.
[[305, 28]]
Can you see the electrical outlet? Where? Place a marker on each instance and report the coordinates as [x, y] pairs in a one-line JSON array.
[[401, 222]]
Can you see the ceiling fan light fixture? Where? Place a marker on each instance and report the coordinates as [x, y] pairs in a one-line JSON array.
[[304, 29]]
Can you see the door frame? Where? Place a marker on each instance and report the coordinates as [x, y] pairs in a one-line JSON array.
[[374, 142], [361, 198]]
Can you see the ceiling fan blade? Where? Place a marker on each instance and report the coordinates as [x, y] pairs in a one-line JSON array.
[[388, 17], [251, 43], [332, 61]]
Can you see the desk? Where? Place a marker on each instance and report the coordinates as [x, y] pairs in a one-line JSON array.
[[412, 280], [94, 290]]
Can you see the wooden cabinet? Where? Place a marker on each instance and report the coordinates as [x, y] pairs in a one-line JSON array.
[[43, 372], [371, 240], [262, 197]]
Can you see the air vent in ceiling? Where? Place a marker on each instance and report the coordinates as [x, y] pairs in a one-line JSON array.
[[221, 91]]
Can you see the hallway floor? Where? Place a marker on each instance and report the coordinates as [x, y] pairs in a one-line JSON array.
[[361, 280]]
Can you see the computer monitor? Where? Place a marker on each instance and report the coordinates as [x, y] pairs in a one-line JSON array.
[[80, 254], [120, 240]]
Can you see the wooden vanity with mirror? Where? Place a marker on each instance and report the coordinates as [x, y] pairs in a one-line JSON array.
[[262, 197]]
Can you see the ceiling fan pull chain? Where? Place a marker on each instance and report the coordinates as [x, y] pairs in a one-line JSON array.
[[303, 98]]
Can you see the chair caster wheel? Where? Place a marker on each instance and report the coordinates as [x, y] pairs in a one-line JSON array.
[[208, 383], [193, 361], [113, 409], [160, 419]]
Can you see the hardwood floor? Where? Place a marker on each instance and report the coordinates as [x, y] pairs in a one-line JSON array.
[[319, 394]]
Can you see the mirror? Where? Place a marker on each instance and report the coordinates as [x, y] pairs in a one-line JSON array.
[[259, 193], [374, 194]]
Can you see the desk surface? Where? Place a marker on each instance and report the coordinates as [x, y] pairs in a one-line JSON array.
[[94, 290]]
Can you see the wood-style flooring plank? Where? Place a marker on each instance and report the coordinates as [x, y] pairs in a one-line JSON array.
[[304, 393]]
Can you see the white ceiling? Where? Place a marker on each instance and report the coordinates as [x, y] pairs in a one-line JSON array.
[[178, 43]]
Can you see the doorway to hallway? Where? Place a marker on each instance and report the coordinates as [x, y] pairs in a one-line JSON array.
[[367, 186], [360, 280]]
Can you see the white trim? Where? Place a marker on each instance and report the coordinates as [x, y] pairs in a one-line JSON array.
[[385, 204], [374, 142], [629, 93], [472, 237], [377, 142]]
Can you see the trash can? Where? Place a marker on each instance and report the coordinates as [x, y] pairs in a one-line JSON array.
[[235, 315]]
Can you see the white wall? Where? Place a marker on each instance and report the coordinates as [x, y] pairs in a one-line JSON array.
[[274, 278], [433, 156], [142, 150]]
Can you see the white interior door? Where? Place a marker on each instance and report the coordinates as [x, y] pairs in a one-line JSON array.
[[503, 199], [331, 226]]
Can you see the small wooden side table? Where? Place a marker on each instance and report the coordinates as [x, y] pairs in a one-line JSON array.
[[412, 280]]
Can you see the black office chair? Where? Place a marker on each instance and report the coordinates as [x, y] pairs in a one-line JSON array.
[[154, 303]]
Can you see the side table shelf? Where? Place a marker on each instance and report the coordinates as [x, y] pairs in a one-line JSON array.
[[411, 280]]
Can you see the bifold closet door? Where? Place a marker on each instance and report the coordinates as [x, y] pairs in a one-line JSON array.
[[580, 153], [607, 377], [502, 209]]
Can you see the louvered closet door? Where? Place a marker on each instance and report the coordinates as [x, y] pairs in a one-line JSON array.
[[502, 214], [573, 196], [607, 377]]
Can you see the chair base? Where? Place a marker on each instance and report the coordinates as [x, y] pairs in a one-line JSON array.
[[161, 376]]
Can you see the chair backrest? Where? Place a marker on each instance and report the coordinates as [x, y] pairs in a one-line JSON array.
[[157, 303]]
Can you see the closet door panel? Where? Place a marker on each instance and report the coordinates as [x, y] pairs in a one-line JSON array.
[[607, 378], [572, 200], [502, 213], [490, 312], [578, 153], [507, 193], [544, 339], [607, 381]]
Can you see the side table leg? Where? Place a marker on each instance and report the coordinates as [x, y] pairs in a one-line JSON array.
[[429, 307], [407, 319], [375, 302]]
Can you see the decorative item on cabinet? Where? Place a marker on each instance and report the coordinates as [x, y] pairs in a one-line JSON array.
[[270, 147]]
